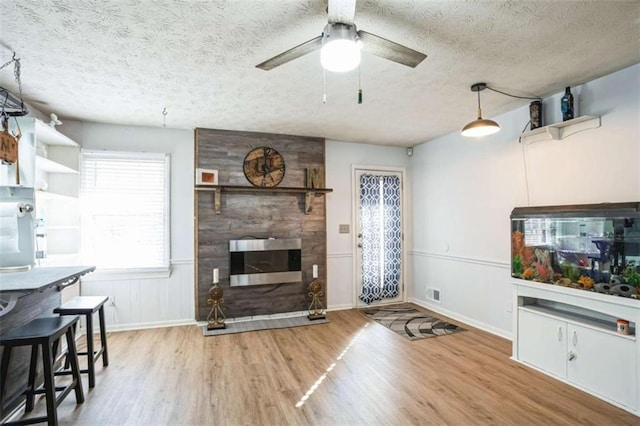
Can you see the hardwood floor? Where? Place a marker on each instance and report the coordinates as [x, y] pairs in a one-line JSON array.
[[349, 371]]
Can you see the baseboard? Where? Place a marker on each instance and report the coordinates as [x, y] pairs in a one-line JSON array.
[[339, 307], [145, 325], [462, 318]]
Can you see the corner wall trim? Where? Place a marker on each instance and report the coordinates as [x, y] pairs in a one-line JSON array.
[[476, 261]]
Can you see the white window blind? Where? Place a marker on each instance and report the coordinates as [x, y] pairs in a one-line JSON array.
[[124, 199]]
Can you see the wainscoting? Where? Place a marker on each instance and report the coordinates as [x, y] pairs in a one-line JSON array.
[[147, 303], [480, 288], [340, 289]]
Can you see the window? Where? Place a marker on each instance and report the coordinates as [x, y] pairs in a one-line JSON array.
[[124, 198]]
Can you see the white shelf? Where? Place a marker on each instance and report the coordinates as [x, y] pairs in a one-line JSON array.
[[559, 131], [50, 136], [578, 319], [50, 166], [46, 195]]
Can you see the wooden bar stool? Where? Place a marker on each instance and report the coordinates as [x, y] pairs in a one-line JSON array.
[[87, 306], [45, 333]]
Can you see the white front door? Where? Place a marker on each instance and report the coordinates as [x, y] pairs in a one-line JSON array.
[[379, 242]]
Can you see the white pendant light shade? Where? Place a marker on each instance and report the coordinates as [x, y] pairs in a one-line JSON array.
[[340, 49], [480, 128]]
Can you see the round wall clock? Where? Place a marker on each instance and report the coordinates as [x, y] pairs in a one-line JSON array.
[[264, 167]]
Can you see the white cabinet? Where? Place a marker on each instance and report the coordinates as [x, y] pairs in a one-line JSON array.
[[571, 335], [602, 363], [543, 343]]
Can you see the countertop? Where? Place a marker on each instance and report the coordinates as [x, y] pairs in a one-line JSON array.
[[39, 278]]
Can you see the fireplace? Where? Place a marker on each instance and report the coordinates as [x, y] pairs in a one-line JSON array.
[[265, 261]]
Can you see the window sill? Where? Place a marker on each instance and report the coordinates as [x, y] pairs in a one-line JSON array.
[[128, 274]]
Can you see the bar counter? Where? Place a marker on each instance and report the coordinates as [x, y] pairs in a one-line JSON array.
[[25, 296]]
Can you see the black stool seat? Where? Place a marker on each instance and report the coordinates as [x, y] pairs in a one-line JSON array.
[[87, 306], [43, 333], [34, 331]]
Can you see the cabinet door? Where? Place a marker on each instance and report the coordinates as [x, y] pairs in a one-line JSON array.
[[604, 364], [542, 342]]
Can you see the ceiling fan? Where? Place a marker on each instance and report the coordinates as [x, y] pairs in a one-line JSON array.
[[341, 41]]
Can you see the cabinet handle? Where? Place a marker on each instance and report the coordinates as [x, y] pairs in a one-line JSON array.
[[572, 355], [559, 334], [575, 339]]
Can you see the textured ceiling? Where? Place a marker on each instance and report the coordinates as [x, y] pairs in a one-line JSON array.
[[123, 61]]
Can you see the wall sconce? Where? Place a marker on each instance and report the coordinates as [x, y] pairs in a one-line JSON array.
[[482, 127]]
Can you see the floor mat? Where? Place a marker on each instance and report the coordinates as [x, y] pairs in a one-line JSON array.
[[409, 322]]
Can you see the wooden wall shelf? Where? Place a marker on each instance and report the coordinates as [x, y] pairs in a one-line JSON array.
[[309, 193]]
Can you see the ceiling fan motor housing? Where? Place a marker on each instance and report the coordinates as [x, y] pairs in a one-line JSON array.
[[338, 31]]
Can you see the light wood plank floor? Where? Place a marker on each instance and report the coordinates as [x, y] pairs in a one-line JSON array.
[[349, 371]]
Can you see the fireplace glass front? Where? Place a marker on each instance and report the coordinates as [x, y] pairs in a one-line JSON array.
[[265, 261]]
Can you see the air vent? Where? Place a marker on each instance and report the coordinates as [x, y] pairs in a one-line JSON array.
[[433, 294]]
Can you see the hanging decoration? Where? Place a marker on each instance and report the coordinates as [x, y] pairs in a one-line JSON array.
[[8, 144]]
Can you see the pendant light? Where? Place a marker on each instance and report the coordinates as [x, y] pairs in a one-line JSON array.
[[480, 127]]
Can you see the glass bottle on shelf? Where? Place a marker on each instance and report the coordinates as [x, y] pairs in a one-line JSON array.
[[566, 104]]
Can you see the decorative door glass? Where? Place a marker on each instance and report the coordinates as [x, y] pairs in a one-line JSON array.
[[381, 237]]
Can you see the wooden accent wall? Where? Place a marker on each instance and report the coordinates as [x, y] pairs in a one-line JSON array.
[[256, 215]]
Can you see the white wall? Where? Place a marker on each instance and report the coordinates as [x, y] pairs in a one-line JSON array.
[[340, 156], [150, 302], [464, 190]]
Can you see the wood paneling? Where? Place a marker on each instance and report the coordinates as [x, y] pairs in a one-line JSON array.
[[251, 215]]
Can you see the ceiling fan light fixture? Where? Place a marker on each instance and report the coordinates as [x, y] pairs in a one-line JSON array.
[[340, 49], [480, 127]]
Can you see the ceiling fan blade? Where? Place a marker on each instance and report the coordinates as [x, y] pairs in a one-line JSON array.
[[291, 54], [387, 49], [341, 11]]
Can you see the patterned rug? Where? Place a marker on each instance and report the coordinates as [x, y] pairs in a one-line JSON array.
[[409, 322]]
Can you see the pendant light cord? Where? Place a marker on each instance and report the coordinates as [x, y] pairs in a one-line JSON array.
[[524, 163], [537, 98]]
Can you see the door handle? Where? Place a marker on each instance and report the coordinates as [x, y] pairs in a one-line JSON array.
[[572, 355]]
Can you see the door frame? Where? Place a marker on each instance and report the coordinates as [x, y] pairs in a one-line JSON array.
[[355, 194]]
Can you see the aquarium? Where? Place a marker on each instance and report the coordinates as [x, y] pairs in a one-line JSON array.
[[593, 247]]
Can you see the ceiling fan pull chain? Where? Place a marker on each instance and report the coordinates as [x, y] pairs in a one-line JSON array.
[[359, 87], [324, 87]]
